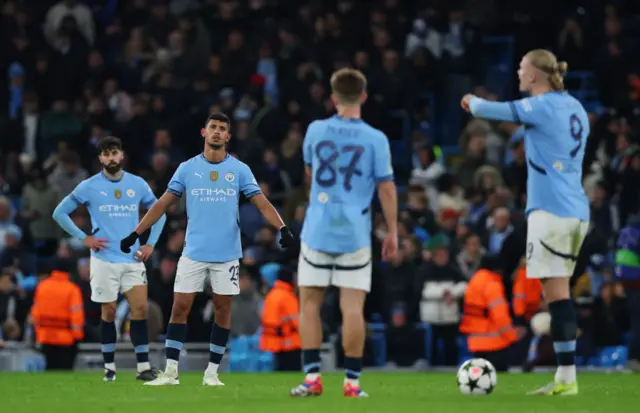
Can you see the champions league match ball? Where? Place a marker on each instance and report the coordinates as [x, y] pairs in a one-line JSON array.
[[477, 377]]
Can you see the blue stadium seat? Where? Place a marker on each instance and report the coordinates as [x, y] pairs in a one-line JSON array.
[[615, 356], [265, 362], [245, 355], [238, 350]]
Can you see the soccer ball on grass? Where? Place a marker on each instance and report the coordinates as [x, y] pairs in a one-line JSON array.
[[477, 377]]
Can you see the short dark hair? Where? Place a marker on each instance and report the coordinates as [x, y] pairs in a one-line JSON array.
[[219, 116], [108, 143]]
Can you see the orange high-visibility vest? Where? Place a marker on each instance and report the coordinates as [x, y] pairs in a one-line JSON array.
[[58, 313], [280, 321], [486, 320], [527, 294]]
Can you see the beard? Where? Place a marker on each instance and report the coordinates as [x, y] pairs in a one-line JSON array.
[[113, 169], [216, 145]]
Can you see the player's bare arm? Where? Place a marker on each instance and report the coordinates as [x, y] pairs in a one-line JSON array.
[[268, 211], [151, 217], [155, 212], [389, 201], [271, 215]]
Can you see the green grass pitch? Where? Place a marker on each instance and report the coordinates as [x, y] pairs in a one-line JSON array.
[[257, 393]]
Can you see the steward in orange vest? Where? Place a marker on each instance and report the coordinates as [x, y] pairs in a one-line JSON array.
[[58, 318], [280, 323], [527, 295], [486, 320]]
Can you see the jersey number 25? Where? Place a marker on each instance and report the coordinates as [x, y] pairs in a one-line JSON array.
[[328, 153]]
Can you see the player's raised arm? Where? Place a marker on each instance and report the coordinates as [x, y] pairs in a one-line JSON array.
[[529, 111], [65, 208], [388, 197]]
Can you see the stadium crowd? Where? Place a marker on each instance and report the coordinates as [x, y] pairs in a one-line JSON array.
[[150, 71]]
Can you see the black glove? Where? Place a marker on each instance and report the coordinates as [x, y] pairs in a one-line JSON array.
[[126, 243], [286, 238]]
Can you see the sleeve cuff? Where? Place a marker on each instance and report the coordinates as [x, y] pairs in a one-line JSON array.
[[75, 199], [174, 192], [385, 178], [252, 194]]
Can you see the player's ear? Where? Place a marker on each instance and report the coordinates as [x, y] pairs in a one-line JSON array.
[[228, 137], [364, 98], [202, 132], [334, 100]]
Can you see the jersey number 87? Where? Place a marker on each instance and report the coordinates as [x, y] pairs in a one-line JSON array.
[[327, 153]]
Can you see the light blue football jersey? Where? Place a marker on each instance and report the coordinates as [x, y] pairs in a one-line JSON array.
[[348, 158], [114, 210], [556, 131], [212, 192]]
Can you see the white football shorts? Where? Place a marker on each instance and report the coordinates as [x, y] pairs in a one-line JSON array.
[[110, 278], [191, 276], [553, 244], [321, 269]]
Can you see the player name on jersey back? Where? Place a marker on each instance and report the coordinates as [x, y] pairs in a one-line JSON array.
[[347, 159]]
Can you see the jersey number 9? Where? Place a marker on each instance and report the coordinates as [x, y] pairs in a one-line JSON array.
[[576, 130], [327, 153]]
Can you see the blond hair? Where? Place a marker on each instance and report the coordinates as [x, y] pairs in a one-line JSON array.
[[546, 62], [348, 85]]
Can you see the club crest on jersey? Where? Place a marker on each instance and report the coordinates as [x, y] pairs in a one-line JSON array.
[[229, 177], [117, 193], [131, 193], [213, 175]]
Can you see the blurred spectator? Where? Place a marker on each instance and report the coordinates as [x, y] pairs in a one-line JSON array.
[[10, 328], [80, 18], [246, 307], [470, 257], [68, 174], [498, 229], [610, 315], [39, 199], [440, 287], [19, 262], [427, 172]]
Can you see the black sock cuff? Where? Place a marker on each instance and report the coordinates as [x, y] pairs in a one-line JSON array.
[[108, 334], [564, 326], [176, 332], [311, 360], [219, 335]]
